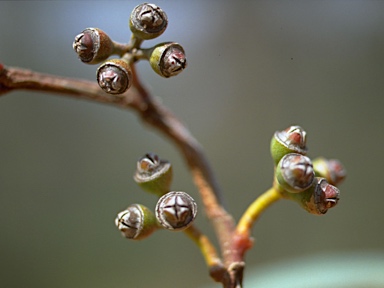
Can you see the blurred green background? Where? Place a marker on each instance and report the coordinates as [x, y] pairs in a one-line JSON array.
[[255, 67]]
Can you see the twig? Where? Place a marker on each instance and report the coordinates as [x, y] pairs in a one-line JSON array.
[[152, 113]]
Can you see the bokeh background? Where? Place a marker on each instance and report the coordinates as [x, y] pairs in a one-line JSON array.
[[255, 67]]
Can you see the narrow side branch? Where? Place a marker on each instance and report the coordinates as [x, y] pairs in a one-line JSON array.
[[206, 247]]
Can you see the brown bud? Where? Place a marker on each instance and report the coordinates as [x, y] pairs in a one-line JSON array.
[[114, 76], [326, 196], [93, 46], [176, 210], [148, 21], [318, 198]]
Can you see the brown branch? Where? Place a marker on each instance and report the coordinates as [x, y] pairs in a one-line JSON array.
[[161, 119]]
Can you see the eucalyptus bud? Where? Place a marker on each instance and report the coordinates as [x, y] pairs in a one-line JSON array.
[[114, 76], [294, 173], [167, 59], [176, 210], [318, 198], [148, 21], [330, 169], [93, 46], [291, 140], [136, 222], [153, 174]]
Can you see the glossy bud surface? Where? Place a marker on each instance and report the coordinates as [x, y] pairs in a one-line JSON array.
[[93, 46], [291, 140], [136, 222], [168, 59], [148, 21], [295, 173], [114, 76], [176, 210]]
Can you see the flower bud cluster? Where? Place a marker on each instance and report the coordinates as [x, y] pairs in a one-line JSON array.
[[174, 210], [311, 184], [147, 21]]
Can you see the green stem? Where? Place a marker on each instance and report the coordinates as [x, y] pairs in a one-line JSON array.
[[135, 42], [255, 210], [205, 246]]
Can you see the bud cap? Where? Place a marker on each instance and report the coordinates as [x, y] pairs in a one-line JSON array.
[[294, 137], [331, 169], [148, 21], [168, 59], [136, 222], [154, 174], [318, 198], [326, 196], [114, 76], [176, 210], [93, 46], [291, 140], [295, 173]]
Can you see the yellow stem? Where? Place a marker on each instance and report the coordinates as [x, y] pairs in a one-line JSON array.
[[205, 245], [256, 209]]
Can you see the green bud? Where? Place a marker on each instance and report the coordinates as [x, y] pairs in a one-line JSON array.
[[154, 174], [148, 21], [291, 140], [294, 173], [167, 59], [114, 76], [318, 198], [330, 169], [136, 222], [176, 210], [93, 46]]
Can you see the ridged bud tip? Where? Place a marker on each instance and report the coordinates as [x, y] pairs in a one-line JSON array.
[[114, 76], [317, 199], [330, 169], [168, 59], [93, 46], [154, 174], [148, 164], [295, 173], [136, 222], [291, 140], [148, 21], [176, 210], [326, 196]]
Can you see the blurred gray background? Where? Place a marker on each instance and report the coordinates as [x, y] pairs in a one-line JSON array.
[[255, 67]]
